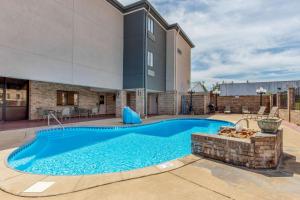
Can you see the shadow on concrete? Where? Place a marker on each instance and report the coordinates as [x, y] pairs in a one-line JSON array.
[[289, 164], [287, 168]]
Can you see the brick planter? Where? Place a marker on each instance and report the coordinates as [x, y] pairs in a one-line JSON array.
[[260, 152]]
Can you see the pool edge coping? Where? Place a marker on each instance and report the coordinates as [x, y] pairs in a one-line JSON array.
[[11, 184], [6, 186]]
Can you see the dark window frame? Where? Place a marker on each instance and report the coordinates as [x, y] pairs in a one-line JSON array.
[[70, 98], [101, 99], [179, 51], [150, 25]]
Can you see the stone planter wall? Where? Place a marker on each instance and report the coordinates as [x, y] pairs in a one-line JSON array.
[[261, 152]]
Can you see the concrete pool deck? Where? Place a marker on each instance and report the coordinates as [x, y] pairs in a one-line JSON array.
[[200, 179]]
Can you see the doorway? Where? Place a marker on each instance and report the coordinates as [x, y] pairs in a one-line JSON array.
[[102, 104], [152, 104], [13, 99]]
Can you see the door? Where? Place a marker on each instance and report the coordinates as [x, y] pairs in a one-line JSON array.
[[102, 105], [13, 99], [1, 97], [16, 99], [153, 104]]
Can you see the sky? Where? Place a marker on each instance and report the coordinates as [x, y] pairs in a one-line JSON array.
[[238, 40]]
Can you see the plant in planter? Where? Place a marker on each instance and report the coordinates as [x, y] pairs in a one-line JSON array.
[[236, 133], [269, 125]]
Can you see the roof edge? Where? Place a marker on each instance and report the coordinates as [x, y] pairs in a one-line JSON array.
[[148, 6]]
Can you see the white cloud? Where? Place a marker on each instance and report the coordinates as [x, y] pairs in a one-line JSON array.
[[239, 40]]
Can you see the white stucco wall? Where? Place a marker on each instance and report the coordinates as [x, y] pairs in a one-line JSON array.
[[183, 65], [65, 41], [183, 69], [170, 60], [178, 66]]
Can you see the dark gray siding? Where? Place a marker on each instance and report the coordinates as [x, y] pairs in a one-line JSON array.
[[134, 50], [158, 48]]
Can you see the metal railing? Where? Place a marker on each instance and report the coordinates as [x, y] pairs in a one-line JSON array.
[[244, 119], [51, 115]]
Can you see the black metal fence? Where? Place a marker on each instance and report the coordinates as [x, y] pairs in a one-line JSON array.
[[283, 100], [297, 98]]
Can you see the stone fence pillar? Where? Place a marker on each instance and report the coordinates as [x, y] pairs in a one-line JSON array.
[[278, 99], [206, 103], [271, 101], [140, 102], [291, 101], [121, 99]]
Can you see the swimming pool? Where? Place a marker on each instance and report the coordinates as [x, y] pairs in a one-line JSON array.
[[98, 150]]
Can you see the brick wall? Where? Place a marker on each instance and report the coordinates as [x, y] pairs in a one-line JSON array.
[[44, 94], [200, 103], [110, 104], [131, 100], [294, 115], [290, 113], [261, 151], [121, 101], [140, 102], [236, 103], [167, 103], [284, 114]]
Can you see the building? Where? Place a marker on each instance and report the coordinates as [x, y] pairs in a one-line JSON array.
[[249, 88], [55, 54]]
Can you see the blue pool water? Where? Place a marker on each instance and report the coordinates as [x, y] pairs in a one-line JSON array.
[[97, 150]]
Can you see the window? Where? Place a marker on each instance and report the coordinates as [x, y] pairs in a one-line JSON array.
[[151, 73], [101, 99], [179, 51], [150, 59], [67, 98], [150, 25]]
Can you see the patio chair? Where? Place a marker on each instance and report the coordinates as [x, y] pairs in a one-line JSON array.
[[260, 113], [274, 112], [83, 112], [227, 110], [42, 113], [65, 113], [94, 112], [245, 111], [74, 111]]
